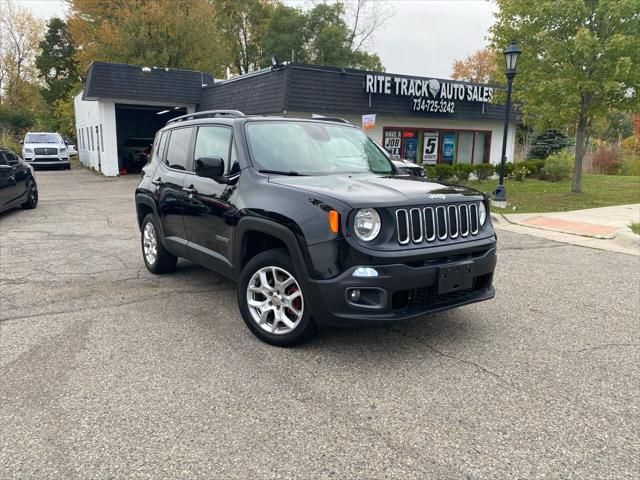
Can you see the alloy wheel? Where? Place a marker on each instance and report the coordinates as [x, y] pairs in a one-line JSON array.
[[150, 243], [275, 300]]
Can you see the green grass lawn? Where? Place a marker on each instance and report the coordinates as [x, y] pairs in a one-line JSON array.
[[534, 196], [635, 228]]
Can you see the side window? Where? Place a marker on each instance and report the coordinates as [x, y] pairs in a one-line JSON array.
[[214, 142], [178, 150], [162, 142], [12, 159], [3, 161], [233, 162]]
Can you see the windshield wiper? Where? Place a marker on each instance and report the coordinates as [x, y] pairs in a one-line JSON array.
[[290, 173]]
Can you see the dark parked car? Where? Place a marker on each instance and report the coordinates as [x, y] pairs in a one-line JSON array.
[[18, 188], [312, 221], [405, 167], [134, 153]]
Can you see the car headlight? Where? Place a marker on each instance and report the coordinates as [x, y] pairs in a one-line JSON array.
[[28, 150], [367, 224], [482, 213], [63, 150]]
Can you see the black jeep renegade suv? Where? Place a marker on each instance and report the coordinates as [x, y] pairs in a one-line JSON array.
[[312, 221]]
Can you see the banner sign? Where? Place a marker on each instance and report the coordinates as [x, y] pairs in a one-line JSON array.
[[430, 148], [368, 121], [448, 147], [392, 141], [427, 95], [411, 149]]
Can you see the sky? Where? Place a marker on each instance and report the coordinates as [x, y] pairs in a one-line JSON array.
[[421, 37]]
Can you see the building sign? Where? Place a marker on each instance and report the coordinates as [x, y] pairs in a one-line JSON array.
[[392, 141], [427, 95], [430, 148], [368, 121], [448, 147]]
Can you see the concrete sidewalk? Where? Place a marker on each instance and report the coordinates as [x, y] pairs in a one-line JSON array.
[[602, 228]]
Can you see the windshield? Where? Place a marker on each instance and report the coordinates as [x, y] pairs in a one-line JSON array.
[[43, 138], [313, 148]]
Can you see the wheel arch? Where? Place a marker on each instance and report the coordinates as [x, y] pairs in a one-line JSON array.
[[274, 235], [145, 206]]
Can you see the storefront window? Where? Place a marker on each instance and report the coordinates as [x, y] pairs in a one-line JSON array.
[[465, 147], [481, 148], [431, 146]]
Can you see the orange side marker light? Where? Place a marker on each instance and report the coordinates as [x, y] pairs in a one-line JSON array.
[[334, 221]]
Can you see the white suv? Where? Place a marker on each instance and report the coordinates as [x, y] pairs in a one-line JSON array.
[[44, 149]]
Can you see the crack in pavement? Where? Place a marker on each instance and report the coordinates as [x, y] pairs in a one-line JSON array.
[[602, 347], [132, 302], [453, 357]]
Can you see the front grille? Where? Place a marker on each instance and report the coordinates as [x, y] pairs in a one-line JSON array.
[[428, 224], [428, 297], [45, 151]]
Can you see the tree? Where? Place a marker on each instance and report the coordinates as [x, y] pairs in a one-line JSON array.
[[19, 36], [548, 143], [163, 33], [330, 40], [243, 27], [479, 67], [286, 35], [56, 63], [580, 59]]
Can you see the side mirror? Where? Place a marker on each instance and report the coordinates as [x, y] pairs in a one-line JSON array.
[[210, 167], [21, 142]]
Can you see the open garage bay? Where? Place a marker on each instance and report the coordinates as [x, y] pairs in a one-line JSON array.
[[111, 372]]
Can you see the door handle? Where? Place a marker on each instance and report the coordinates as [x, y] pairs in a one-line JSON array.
[[189, 190], [157, 182]]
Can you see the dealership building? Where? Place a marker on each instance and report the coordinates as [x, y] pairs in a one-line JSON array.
[[425, 120]]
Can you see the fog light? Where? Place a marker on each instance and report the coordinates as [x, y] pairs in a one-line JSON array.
[[354, 295], [365, 272]]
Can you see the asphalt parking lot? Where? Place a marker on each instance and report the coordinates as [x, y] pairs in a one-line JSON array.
[[110, 372]]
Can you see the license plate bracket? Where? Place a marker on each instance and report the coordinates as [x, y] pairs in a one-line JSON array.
[[455, 277]]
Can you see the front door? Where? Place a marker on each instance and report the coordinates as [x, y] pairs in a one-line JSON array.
[[209, 205], [169, 180]]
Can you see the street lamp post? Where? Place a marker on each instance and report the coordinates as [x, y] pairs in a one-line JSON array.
[[511, 54]]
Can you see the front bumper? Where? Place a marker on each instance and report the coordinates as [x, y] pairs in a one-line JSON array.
[[47, 161], [402, 291]]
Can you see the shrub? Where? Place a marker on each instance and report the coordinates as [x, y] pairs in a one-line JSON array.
[[520, 172], [606, 160], [462, 171], [558, 166], [533, 167], [484, 170], [441, 171], [630, 165], [509, 167], [547, 143]]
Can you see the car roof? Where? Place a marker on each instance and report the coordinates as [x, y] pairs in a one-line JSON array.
[[256, 118]]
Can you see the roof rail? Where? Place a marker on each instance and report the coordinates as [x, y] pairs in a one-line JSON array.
[[316, 116], [208, 114]]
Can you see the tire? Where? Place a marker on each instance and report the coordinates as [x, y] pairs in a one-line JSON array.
[[279, 302], [157, 258], [32, 196]]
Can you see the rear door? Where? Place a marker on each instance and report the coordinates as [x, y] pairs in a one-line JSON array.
[[169, 181], [209, 205]]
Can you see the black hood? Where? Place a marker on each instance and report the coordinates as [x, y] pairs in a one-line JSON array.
[[369, 190]]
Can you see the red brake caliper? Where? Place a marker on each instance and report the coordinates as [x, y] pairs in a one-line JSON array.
[[297, 302]]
